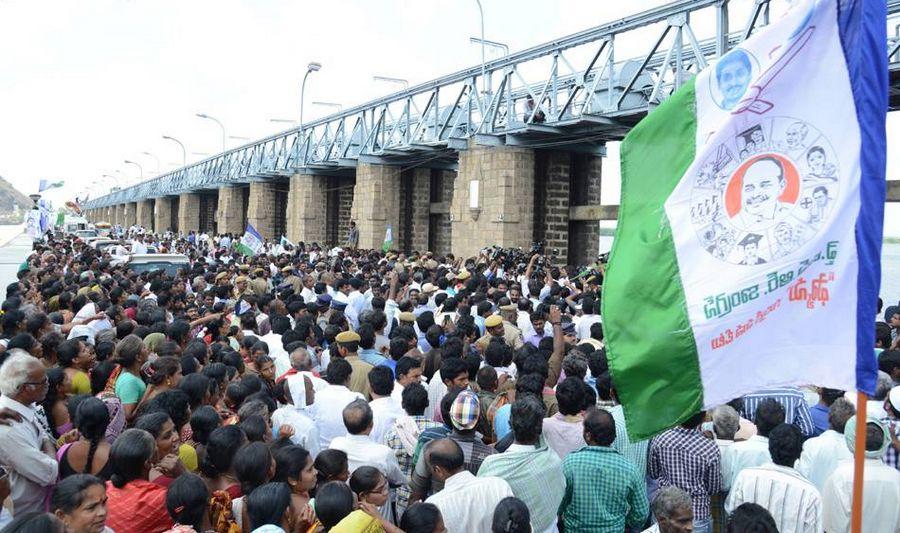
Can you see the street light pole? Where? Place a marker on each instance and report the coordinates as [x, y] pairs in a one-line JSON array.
[[140, 168], [488, 42], [155, 158], [330, 104], [119, 183], [217, 121], [388, 79], [312, 67], [183, 150], [484, 81]]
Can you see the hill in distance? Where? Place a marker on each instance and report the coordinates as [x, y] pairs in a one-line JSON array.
[[10, 199]]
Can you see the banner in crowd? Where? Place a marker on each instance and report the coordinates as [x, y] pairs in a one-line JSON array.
[[747, 253], [43, 185], [388, 239], [251, 243], [33, 223]]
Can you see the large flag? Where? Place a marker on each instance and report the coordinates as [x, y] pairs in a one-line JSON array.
[[748, 243], [43, 185], [251, 243], [388, 239]]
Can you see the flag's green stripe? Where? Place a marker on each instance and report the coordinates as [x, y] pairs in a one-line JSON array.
[[244, 249], [649, 341]]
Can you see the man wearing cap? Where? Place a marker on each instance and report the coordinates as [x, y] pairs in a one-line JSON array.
[[240, 287], [348, 346], [496, 327], [429, 289], [259, 284], [881, 484], [892, 422]]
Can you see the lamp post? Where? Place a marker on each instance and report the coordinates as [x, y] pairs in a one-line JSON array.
[[488, 42], [312, 67], [113, 177], [388, 79], [217, 121], [330, 104], [155, 158], [140, 168], [183, 150], [484, 81]]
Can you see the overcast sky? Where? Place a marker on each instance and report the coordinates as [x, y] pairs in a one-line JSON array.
[[86, 84]]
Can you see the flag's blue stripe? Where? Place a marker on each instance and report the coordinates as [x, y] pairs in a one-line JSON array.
[[863, 34], [252, 231]]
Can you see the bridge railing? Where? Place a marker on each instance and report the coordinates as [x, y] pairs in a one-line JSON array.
[[570, 89]]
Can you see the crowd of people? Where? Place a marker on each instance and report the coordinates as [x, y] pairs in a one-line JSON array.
[[306, 389]]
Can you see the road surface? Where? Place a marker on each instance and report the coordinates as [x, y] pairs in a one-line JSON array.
[[14, 248]]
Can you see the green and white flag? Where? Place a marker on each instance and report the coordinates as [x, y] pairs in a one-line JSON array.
[[286, 242], [251, 243], [388, 239], [747, 249]]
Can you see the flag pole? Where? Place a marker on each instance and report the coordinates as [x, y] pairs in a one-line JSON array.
[[859, 455]]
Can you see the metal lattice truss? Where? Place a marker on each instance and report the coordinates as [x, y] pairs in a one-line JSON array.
[[570, 92]]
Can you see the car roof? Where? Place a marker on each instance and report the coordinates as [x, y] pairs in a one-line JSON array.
[[159, 258]]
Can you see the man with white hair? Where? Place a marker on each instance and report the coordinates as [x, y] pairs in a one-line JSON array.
[[821, 455], [673, 512], [26, 451]]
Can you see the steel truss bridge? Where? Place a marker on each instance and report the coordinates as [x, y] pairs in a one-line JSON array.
[[582, 97]]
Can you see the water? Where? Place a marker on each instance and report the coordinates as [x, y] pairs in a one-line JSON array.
[[890, 269]]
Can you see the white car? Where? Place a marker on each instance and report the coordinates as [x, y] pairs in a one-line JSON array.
[[147, 262]]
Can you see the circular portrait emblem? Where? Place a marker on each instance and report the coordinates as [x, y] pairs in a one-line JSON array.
[[764, 192], [732, 76]]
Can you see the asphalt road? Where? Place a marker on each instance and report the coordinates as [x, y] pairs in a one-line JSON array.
[[12, 254]]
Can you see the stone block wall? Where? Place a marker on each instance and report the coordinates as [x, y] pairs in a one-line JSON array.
[[208, 206], [415, 210], [144, 214], [376, 203], [162, 214], [307, 201], [231, 212], [551, 201], [339, 204], [440, 228], [130, 214], [188, 213], [506, 198], [584, 235], [266, 209]]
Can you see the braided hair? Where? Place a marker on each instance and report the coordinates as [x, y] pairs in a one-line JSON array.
[[91, 420]]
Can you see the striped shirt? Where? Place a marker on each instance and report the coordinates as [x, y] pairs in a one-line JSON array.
[[636, 452], [404, 459], [793, 501], [535, 476], [684, 458], [796, 410], [892, 456]]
